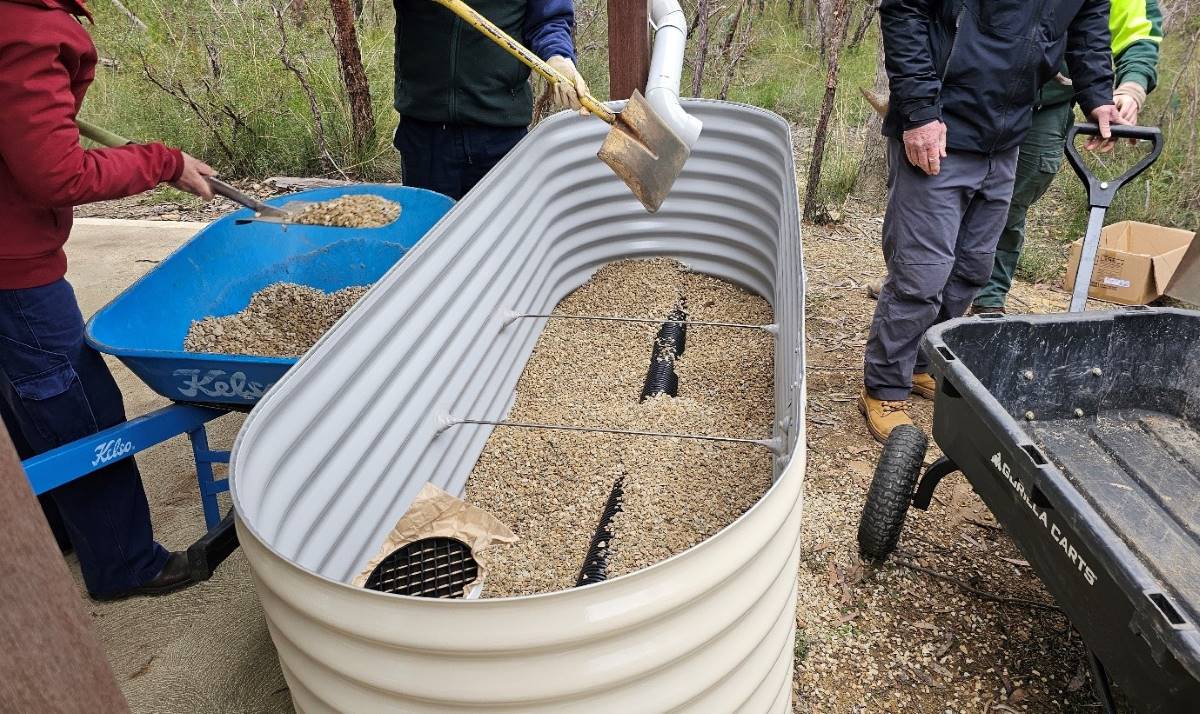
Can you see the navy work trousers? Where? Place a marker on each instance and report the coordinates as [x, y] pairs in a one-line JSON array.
[[451, 158], [55, 389], [939, 241]]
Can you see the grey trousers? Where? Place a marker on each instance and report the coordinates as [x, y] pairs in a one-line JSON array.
[[939, 240]]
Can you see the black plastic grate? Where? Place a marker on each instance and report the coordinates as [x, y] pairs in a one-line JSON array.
[[430, 567]]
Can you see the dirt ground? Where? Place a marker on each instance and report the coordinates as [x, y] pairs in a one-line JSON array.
[[956, 623]]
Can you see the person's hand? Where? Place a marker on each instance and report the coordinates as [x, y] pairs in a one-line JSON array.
[[1129, 98], [566, 95], [192, 179], [1127, 107], [925, 146], [1104, 116]]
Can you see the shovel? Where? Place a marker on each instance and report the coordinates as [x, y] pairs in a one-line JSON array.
[[262, 211], [641, 148], [1101, 193]]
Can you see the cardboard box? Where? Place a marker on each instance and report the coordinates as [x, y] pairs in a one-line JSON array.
[[1134, 264]]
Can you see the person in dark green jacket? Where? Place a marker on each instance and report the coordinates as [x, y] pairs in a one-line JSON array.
[[463, 101], [1136, 27]]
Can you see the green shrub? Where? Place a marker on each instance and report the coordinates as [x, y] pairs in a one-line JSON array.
[[208, 77]]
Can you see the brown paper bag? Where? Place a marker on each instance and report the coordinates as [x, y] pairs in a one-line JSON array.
[[437, 514]]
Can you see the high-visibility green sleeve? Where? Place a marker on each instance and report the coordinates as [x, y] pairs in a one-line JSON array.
[[1136, 27]]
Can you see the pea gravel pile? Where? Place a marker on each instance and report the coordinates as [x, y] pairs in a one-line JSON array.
[[550, 487], [354, 211], [282, 320]]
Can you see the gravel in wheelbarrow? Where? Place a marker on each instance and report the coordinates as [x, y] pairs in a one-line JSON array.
[[217, 272]]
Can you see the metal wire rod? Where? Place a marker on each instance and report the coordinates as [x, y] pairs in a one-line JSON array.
[[771, 444], [771, 327]]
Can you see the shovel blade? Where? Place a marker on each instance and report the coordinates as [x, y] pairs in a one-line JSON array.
[[644, 152], [1185, 283]]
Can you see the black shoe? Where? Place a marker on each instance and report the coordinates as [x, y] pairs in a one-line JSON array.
[[986, 310], [175, 575]]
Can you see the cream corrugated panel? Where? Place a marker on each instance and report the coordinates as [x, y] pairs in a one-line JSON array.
[[333, 455]]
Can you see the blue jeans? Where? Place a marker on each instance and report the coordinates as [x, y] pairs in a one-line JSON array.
[[451, 158], [55, 389]]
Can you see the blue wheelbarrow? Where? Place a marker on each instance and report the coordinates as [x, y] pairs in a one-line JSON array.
[[214, 274]]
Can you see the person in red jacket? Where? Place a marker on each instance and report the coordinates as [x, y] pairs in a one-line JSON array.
[[54, 388]]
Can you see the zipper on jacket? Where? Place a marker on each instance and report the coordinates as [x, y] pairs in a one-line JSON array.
[[1006, 108], [455, 31], [953, 46], [949, 55]]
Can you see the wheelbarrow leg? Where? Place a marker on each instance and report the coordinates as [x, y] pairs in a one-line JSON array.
[[208, 484], [221, 539], [937, 471], [1101, 684], [212, 549]]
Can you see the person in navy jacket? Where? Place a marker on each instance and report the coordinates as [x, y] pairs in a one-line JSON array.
[[463, 101]]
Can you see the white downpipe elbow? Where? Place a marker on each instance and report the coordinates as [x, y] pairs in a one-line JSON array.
[[666, 68]]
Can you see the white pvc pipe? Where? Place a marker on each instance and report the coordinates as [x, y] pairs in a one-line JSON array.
[[666, 68]]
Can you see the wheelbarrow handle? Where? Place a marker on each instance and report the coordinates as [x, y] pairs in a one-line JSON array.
[[104, 137], [1101, 193]]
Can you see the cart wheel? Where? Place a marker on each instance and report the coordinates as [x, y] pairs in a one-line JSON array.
[[891, 492]]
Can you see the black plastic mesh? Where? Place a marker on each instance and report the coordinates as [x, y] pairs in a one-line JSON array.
[[430, 567]]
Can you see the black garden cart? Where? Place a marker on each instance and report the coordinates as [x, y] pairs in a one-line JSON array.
[[1081, 433]]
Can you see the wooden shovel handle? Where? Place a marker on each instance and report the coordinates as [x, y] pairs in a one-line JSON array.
[[516, 49], [104, 137]]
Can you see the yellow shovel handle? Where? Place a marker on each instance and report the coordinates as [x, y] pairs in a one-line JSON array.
[[516, 49]]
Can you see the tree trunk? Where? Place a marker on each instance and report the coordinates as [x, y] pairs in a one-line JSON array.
[[701, 49], [362, 115], [837, 29], [871, 179], [733, 28], [824, 29], [869, 10]]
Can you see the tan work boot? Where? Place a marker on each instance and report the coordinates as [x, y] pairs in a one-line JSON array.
[[882, 416], [924, 385], [874, 288]]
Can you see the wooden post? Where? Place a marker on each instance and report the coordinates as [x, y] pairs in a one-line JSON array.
[[49, 654], [628, 47]]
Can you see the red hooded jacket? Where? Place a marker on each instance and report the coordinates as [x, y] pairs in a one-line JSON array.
[[47, 61]]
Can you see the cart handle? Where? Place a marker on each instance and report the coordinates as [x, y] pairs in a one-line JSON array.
[[1101, 193]]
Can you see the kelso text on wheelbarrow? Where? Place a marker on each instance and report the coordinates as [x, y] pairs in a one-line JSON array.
[[1040, 514]]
